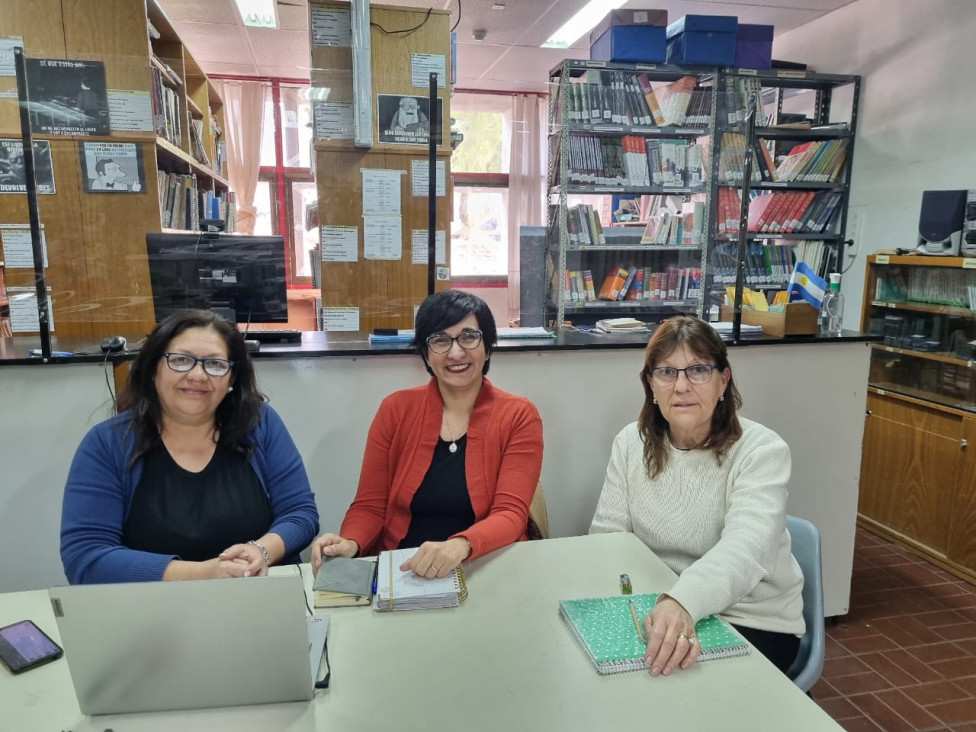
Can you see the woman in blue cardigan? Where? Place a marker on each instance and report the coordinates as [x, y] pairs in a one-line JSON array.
[[195, 478]]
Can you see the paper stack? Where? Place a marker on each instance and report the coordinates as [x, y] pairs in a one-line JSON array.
[[399, 590], [620, 325]]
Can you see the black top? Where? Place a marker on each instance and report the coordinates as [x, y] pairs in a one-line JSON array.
[[196, 515], [441, 507]]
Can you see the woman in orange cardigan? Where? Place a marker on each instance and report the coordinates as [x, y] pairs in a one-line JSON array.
[[450, 467]]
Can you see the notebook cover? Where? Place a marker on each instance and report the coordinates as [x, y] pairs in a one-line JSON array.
[[603, 626], [349, 576]]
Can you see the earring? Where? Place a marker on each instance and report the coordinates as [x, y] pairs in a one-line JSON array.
[[230, 388], [722, 398], [654, 399]]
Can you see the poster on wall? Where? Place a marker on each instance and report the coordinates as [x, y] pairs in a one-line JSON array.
[[67, 97], [405, 120], [111, 167], [13, 175]]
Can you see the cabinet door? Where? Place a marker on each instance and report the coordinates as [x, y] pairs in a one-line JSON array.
[[962, 528], [908, 473]]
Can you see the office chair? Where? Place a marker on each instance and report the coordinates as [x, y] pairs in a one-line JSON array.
[[538, 516], [806, 550]]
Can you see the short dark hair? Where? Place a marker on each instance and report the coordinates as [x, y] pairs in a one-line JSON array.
[[100, 165], [704, 341], [237, 413], [446, 308]]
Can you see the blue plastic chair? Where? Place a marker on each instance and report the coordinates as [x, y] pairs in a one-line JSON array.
[[806, 550]]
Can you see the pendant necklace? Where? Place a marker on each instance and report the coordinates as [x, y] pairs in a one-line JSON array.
[[453, 446]]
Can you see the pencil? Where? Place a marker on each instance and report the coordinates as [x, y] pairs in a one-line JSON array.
[[637, 625]]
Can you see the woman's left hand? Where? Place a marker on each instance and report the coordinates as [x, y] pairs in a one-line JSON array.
[[250, 553], [437, 558], [671, 640]]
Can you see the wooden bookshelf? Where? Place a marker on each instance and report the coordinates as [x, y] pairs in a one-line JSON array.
[[98, 270], [385, 291]]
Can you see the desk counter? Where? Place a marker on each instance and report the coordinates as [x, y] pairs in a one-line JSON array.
[[502, 661]]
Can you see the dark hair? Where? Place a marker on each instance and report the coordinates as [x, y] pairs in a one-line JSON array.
[[446, 308], [100, 165], [237, 413], [702, 340]]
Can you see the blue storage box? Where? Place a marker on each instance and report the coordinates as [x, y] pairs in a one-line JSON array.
[[630, 43], [754, 46], [703, 39]]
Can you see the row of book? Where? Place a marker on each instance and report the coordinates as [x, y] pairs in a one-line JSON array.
[[182, 204], [936, 285], [765, 265], [166, 108], [673, 227], [634, 284], [584, 227], [620, 98], [779, 212], [632, 161], [817, 161]]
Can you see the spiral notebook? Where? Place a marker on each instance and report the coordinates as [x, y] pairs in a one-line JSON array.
[[605, 629], [399, 590]]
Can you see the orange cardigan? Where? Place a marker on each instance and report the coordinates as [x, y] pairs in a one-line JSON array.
[[502, 465]]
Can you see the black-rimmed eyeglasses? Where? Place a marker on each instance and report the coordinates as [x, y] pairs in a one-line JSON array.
[[184, 362], [441, 342], [699, 373]]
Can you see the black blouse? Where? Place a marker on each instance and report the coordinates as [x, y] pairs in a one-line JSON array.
[[195, 516], [441, 507]]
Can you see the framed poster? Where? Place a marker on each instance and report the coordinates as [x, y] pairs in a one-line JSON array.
[[405, 119], [13, 175], [67, 97], [112, 167]]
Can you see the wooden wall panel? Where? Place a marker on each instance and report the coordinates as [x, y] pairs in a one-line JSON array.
[[962, 532]]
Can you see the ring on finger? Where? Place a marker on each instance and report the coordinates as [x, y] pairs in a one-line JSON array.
[[682, 635], [690, 639], [436, 569]]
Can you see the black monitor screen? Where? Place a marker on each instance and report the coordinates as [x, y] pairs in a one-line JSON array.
[[241, 278]]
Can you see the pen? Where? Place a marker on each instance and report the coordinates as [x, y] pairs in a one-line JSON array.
[[60, 354], [637, 625]]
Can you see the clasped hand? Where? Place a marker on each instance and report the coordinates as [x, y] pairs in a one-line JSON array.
[[671, 641], [240, 560]]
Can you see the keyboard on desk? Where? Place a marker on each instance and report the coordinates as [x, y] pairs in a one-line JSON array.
[[274, 336]]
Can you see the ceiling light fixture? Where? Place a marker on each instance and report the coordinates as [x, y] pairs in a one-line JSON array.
[[258, 13], [579, 24]]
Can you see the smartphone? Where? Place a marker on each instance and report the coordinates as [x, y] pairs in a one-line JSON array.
[[24, 646]]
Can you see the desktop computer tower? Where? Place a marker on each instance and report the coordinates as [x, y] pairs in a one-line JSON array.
[[967, 246], [940, 224]]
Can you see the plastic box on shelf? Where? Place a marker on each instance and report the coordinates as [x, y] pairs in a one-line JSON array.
[[708, 40], [754, 46], [637, 43]]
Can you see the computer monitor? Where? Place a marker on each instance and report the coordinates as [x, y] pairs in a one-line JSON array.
[[241, 278]]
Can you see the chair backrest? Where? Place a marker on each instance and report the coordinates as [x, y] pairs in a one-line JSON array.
[[538, 516], [809, 661]]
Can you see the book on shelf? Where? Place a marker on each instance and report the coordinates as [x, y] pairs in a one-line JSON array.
[[612, 283], [397, 589], [631, 276], [343, 581]]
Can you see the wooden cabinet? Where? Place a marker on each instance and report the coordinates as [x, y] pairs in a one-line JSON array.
[[918, 464], [98, 271]]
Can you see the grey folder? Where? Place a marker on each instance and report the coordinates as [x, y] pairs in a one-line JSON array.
[[154, 646]]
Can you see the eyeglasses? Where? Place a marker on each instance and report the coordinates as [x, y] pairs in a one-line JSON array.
[[183, 363], [699, 373], [441, 342]]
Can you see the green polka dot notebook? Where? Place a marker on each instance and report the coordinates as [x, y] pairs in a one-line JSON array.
[[605, 629]]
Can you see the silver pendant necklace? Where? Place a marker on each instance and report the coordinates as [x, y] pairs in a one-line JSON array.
[[453, 446]]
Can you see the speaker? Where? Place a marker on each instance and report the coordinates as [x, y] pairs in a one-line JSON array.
[[968, 246], [941, 221]]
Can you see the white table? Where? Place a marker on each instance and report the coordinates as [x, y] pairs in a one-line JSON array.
[[502, 661]]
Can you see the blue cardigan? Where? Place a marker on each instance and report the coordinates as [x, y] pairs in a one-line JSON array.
[[100, 486]]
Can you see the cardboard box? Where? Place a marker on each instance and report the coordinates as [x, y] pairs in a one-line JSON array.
[[799, 318], [630, 43], [703, 39], [629, 17], [754, 46]]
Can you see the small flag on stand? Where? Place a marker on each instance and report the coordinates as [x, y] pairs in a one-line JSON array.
[[806, 285]]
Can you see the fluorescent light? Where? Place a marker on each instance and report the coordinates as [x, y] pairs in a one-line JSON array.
[[258, 13], [583, 21]]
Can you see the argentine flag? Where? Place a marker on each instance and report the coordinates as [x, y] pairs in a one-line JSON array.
[[806, 285]]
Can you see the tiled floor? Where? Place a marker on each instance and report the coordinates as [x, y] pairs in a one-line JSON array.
[[904, 657]]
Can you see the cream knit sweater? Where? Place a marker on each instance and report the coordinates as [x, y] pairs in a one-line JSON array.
[[721, 528]]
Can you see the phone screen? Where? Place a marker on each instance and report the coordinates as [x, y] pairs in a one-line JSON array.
[[23, 645]]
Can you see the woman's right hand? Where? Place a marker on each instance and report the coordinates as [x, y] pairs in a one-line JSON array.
[[332, 545]]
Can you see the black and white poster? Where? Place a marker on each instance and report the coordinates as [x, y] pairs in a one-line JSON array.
[[112, 167], [13, 173], [67, 97], [405, 120]]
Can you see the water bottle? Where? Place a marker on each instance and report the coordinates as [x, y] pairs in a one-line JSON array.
[[832, 309]]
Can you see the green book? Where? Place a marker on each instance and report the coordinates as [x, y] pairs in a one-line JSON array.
[[605, 629]]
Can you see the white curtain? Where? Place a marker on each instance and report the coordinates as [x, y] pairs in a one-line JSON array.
[[526, 182], [243, 122]]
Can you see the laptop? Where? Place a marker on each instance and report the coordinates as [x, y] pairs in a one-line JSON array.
[[156, 646]]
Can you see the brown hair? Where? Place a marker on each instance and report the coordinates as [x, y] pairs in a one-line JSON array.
[[703, 341]]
